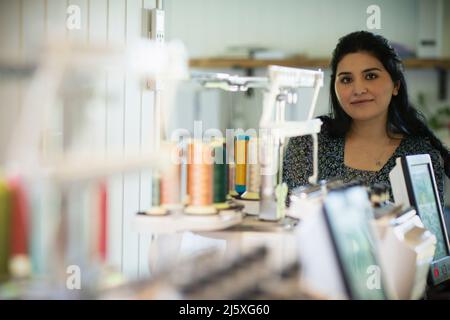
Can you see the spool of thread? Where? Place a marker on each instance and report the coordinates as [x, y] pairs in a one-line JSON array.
[[19, 261], [5, 223], [220, 179], [189, 159], [200, 179], [231, 169], [103, 221], [240, 152], [156, 208], [253, 182], [170, 187], [183, 174]]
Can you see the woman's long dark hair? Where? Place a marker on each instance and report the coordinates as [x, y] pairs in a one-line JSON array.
[[403, 118]]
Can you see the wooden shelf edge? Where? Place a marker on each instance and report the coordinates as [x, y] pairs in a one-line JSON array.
[[323, 63], [255, 63], [427, 63]]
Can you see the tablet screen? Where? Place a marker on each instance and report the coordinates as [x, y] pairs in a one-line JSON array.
[[348, 212], [427, 205]]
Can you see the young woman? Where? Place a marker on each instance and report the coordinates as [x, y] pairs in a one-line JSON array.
[[371, 122]]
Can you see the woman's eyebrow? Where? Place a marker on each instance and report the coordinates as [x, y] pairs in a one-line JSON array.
[[371, 69], [364, 71], [343, 73]]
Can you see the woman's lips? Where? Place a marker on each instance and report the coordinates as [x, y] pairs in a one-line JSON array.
[[358, 102]]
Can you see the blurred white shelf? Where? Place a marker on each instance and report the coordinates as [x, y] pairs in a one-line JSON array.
[[179, 222], [80, 168]]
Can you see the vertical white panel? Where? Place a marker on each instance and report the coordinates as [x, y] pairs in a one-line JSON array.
[[132, 116], [146, 110], [55, 24], [76, 113], [145, 18], [33, 37], [54, 30], [10, 47], [79, 124], [97, 35], [115, 132], [134, 20], [97, 21], [145, 178]]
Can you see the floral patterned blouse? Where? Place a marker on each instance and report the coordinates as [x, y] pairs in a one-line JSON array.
[[297, 164]]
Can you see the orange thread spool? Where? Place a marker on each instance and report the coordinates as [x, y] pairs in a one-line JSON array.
[[170, 185], [200, 179]]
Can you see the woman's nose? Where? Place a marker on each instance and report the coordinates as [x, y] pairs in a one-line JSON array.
[[359, 88]]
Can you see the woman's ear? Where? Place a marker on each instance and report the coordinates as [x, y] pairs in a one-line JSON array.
[[396, 88]]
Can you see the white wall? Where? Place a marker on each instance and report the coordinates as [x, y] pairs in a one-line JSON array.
[[297, 26]]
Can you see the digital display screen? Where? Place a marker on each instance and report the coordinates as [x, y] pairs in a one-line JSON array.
[[427, 205], [348, 213]]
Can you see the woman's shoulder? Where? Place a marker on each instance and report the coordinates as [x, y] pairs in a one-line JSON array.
[[420, 145]]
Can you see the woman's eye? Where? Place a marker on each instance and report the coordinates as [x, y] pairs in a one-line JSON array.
[[371, 76], [345, 80]]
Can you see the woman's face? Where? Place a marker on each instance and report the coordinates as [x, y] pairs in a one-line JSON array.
[[363, 86]]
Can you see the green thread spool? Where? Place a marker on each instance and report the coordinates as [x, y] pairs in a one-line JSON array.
[[220, 178], [5, 216]]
